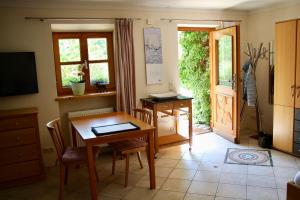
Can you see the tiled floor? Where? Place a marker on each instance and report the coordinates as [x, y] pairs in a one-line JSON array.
[[180, 175]]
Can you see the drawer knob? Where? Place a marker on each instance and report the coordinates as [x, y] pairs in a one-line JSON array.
[[17, 123], [18, 138]]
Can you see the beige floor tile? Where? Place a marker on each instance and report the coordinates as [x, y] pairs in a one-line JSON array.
[[234, 168], [187, 164], [261, 193], [136, 193], [197, 156], [165, 162], [231, 191], [103, 197], [166, 195], [226, 198], [281, 182], [260, 170], [198, 197], [263, 181], [281, 194], [214, 158], [162, 171], [177, 185], [205, 188], [183, 174], [207, 176], [144, 182], [171, 154], [284, 162], [208, 166], [285, 172], [233, 178], [116, 190]]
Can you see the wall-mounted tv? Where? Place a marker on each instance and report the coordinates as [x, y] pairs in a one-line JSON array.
[[17, 73]]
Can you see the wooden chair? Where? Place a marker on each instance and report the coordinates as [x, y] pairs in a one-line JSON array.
[[66, 155], [136, 145]]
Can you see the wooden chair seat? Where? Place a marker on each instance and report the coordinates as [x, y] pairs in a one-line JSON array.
[[124, 146], [77, 155]]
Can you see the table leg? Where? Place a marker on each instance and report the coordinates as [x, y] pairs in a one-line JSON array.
[[151, 160], [190, 126], [91, 169], [155, 131]]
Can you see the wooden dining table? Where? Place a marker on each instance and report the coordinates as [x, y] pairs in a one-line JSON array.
[[83, 127]]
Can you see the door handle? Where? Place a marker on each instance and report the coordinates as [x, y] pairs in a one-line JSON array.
[[293, 90], [298, 91], [234, 82]]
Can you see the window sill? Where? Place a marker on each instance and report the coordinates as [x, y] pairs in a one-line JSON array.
[[85, 96]]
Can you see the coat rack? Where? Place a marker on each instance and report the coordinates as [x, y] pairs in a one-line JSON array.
[[254, 55]]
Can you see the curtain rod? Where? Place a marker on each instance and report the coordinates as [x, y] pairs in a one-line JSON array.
[[201, 20], [73, 18]]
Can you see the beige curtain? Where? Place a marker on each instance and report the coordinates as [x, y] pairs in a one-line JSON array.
[[124, 65]]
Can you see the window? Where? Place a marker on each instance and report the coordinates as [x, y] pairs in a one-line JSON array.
[[94, 50]]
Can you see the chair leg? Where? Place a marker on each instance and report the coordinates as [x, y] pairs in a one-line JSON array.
[[113, 162], [126, 169], [61, 184], [66, 174], [140, 160]]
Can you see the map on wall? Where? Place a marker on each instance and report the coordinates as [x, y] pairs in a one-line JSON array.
[[153, 55]]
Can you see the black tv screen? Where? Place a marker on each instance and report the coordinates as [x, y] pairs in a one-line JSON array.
[[17, 74]]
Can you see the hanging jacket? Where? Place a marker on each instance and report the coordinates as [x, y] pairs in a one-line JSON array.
[[251, 87]]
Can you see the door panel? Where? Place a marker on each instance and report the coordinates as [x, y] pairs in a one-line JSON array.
[[224, 85], [297, 99], [285, 48], [283, 128]]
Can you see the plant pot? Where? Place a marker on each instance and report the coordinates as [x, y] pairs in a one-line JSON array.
[[78, 88]]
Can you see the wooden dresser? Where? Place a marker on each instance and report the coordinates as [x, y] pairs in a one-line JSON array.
[[20, 149]]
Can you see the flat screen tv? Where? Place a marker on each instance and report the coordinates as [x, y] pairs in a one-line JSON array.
[[17, 73]]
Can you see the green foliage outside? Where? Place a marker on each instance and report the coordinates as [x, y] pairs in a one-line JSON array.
[[225, 60], [69, 50], [194, 72]]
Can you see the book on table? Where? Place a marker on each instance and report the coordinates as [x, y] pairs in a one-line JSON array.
[[114, 128]]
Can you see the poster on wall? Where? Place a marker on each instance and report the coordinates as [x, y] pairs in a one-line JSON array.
[[153, 55]]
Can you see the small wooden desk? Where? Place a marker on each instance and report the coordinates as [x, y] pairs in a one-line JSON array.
[[82, 126], [169, 107]]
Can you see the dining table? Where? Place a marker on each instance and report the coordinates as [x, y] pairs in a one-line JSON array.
[[83, 127]]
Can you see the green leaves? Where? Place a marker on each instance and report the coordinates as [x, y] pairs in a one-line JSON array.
[[194, 72]]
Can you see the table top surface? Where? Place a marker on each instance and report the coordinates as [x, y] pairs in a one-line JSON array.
[[83, 125], [156, 101]]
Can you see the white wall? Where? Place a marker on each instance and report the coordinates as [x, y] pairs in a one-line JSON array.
[[18, 34], [261, 28]]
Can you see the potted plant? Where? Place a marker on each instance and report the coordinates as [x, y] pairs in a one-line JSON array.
[[78, 84]]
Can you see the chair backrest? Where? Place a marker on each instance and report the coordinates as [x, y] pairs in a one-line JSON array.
[[143, 115], [55, 132]]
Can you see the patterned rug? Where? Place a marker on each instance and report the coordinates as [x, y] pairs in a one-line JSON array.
[[248, 157]]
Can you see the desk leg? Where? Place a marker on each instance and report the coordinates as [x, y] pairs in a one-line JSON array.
[[155, 131], [151, 160], [190, 126], [91, 168]]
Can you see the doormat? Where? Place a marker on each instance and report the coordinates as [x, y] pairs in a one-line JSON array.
[[249, 157]]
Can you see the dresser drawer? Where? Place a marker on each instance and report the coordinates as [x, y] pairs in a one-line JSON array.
[[297, 114], [16, 123], [164, 106], [297, 125], [20, 170], [296, 149], [17, 137], [182, 104], [297, 137], [19, 154]]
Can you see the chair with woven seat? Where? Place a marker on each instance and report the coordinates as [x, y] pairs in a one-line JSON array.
[[136, 145], [66, 155]]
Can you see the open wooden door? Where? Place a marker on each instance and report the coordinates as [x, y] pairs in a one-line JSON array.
[[225, 86]]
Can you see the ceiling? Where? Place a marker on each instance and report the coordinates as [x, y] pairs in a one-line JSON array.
[[244, 5]]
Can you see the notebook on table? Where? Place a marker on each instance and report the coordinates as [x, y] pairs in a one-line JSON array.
[[114, 128]]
